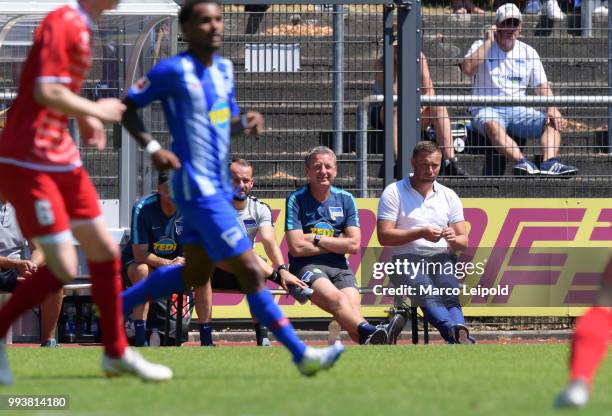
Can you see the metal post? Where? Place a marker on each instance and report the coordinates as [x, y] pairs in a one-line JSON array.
[[586, 17], [338, 77], [609, 29], [178, 331], [409, 86], [388, 103], [362, 150]]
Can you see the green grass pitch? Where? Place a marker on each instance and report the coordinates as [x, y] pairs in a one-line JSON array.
[[398, 380]]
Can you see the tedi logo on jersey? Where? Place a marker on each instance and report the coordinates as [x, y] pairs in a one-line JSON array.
[[220, 114], [322, 228], [165, 246]]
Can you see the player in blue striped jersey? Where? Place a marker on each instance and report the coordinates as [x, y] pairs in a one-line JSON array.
[[197, 92]]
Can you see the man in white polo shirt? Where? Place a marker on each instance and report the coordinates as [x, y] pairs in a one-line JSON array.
[[422, 221]]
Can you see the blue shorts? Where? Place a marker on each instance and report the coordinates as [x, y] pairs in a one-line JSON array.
[[212, 222], [518, 122]]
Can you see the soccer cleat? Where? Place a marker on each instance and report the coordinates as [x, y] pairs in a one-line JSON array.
[[51, 343], [554, 167], [461, 335], [265, 342], [317, 359], [378, 337], [552, 10], [302, 295], [394, 328], [525, 167], [132, 363], [533, 7], [575, 394], [6, 376]]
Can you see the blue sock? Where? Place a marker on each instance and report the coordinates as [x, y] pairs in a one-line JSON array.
[[206, 334], [365, 329], [269, 314], [140, 328], [161, 283]]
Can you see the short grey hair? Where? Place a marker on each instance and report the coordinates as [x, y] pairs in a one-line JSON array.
[[317, 151]]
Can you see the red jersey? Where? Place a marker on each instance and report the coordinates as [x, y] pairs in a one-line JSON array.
[[34, 136]]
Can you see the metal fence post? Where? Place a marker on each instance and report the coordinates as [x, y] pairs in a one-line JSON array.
[[409, 105], [389, 76], [609, 28], [338, 77], [362, 149], [586, 18]]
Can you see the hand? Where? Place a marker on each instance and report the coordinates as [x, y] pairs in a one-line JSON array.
[[92, 131], [25, 267], [180, 261], [255, 123], [489, 33], [449, 234], [109, 110], [287, 279], [165, 159], [554, 118], [433, 234]]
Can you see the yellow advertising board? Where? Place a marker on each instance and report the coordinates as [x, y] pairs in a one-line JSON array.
[[549, 254]]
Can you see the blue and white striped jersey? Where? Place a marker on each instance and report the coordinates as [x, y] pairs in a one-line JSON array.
[[199, 103]]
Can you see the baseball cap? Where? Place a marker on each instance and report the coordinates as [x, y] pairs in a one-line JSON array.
[[507, 11], [163, 177]]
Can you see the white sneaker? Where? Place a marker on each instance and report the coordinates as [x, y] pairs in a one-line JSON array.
[[576, 394], [533, 7], [132, 363], [316, 359], [601, 10], [552, 10], [6, 376]]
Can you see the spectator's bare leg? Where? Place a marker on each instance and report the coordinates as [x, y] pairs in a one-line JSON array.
[[50, 309], [438, 117], [498, 137], [382, 119], [335, 302], [354, 298], [136, 272], [203, 302], [551, 140]]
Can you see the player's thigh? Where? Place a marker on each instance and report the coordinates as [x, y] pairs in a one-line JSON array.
[[248, 270], [525, 122], [37, 200], [80, 196], [212, 222], [224, 281], [198, 265]]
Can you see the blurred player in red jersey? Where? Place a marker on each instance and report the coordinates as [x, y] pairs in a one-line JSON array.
[[589, 346], [41, 174]]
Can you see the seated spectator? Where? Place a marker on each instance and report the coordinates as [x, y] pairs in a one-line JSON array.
[[154, 242], [256, 217], [256, 14], [549, 9], [423, 222], [436, 117], [322, 226], [16, 266], [502, 65], [466, 6]]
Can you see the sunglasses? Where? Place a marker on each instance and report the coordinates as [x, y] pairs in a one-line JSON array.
[[510, 23]]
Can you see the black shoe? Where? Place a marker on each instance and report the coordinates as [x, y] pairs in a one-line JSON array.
[[461, 335], [377, 337], [450, 167], [394, 328]]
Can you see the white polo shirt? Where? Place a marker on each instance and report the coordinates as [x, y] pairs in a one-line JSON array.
[[401, 203]]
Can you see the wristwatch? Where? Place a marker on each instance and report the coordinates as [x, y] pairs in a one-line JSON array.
[[317, 240], [282, 267]]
